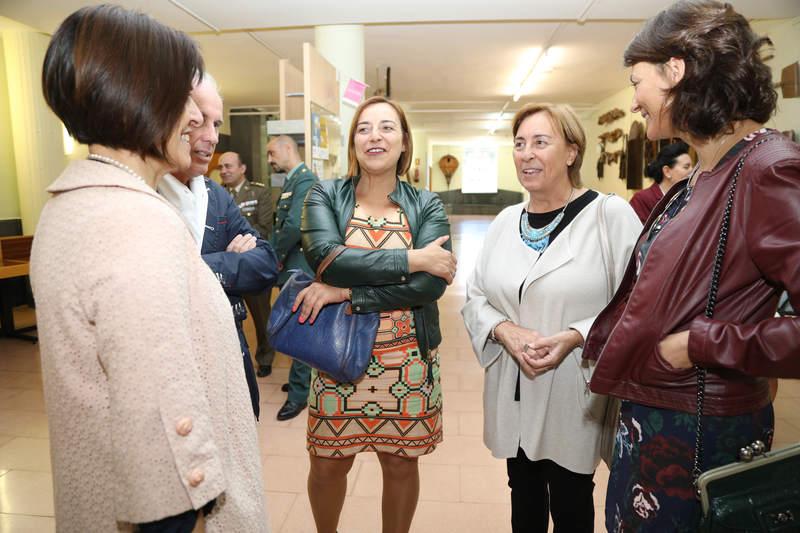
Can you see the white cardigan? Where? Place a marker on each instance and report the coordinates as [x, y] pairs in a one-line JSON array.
[[566, 287]]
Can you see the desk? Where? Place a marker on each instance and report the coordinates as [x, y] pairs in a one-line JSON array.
[[14, 263]]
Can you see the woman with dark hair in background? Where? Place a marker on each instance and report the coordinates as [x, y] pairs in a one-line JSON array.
[[148, 410], [699, 74], [671, 165]]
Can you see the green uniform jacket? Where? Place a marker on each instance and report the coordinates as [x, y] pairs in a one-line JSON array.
[[255, 203], [379, 279], [285, 237]]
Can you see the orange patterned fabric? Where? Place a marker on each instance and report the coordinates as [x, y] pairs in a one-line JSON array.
[[396, 406]]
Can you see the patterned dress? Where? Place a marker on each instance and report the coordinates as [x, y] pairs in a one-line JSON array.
[[396, 407]]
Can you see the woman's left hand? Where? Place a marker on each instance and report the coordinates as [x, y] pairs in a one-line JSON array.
[[548, 352], [674, 349], [316, 296]]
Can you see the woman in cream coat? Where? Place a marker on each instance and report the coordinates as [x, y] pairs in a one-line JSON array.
[[542, 276], [148, 409]]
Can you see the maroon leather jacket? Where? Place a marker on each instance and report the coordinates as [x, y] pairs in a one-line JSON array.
[[743, 340]]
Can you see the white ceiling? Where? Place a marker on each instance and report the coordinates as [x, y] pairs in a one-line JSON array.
[[453, 61]]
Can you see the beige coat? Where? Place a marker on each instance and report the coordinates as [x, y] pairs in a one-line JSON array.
[[557, 418], [146, 395]]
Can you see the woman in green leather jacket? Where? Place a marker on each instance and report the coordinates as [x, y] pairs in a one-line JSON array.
[[398, 263]]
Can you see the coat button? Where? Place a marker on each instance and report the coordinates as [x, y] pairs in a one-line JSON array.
[[402, 278], [358, 308], [184, 426], [196, 477]]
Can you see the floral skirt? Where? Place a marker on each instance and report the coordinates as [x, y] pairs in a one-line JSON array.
[[650, 486]]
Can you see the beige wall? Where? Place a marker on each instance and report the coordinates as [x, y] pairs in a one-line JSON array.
[[9, 196], [420, 140], [610, 181], [786, 38], [506, 172], [37, 133]]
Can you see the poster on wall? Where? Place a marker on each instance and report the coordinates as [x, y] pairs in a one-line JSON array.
[[319, 136], [480, 169]]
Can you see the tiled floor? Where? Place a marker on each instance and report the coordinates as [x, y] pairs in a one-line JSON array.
[[463, 487]]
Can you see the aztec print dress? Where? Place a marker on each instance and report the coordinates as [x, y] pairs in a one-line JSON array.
[[396, 407]]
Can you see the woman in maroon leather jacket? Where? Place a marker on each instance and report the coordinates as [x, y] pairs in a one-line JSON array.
[[698, 74]]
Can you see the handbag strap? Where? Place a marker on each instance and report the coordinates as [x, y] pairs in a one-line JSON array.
[[711, 303], [605, 246], [608, 263], [328, 260]]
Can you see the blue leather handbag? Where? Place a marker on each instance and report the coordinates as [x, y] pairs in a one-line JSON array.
[[338, 343]]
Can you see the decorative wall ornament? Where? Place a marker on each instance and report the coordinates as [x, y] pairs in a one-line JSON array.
[[448, 164], [790, 81], [611, 116], [611, 136]]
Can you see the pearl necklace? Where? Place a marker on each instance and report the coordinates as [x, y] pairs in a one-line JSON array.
[[537, 238], [115, 163]]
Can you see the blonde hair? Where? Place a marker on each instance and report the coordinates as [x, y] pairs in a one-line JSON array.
[[566, 122]]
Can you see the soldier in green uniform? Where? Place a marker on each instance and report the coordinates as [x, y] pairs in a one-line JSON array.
[[255, 203], [284, 156]]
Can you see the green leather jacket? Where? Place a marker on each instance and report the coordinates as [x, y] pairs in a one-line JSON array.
[[379, 279]]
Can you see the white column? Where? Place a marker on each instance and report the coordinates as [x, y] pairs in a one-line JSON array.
[[38, 141], [343, 47]]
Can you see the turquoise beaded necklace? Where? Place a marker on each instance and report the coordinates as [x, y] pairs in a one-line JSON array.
[[538, 238]]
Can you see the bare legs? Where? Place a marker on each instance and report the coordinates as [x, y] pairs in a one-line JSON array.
[[327, 485], [400, 492]]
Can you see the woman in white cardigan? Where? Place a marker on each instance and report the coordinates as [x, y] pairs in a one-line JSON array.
[[546, 269]]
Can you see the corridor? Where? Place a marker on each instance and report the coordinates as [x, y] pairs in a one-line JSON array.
[[463, 489]]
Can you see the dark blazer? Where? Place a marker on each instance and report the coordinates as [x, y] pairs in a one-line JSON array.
[[252, 271]]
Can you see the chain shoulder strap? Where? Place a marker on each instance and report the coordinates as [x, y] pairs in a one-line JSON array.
[[711, 303]]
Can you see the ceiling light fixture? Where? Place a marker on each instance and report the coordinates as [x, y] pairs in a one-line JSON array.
[[193, 15], [545, 59], [543, 63]]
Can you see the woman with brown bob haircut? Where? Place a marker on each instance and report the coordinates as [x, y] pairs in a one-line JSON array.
[[149, 415], [663, 345], [397, 263]]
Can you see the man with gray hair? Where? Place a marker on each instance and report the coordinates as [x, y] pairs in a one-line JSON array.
[[241, 260], [284, 156]]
